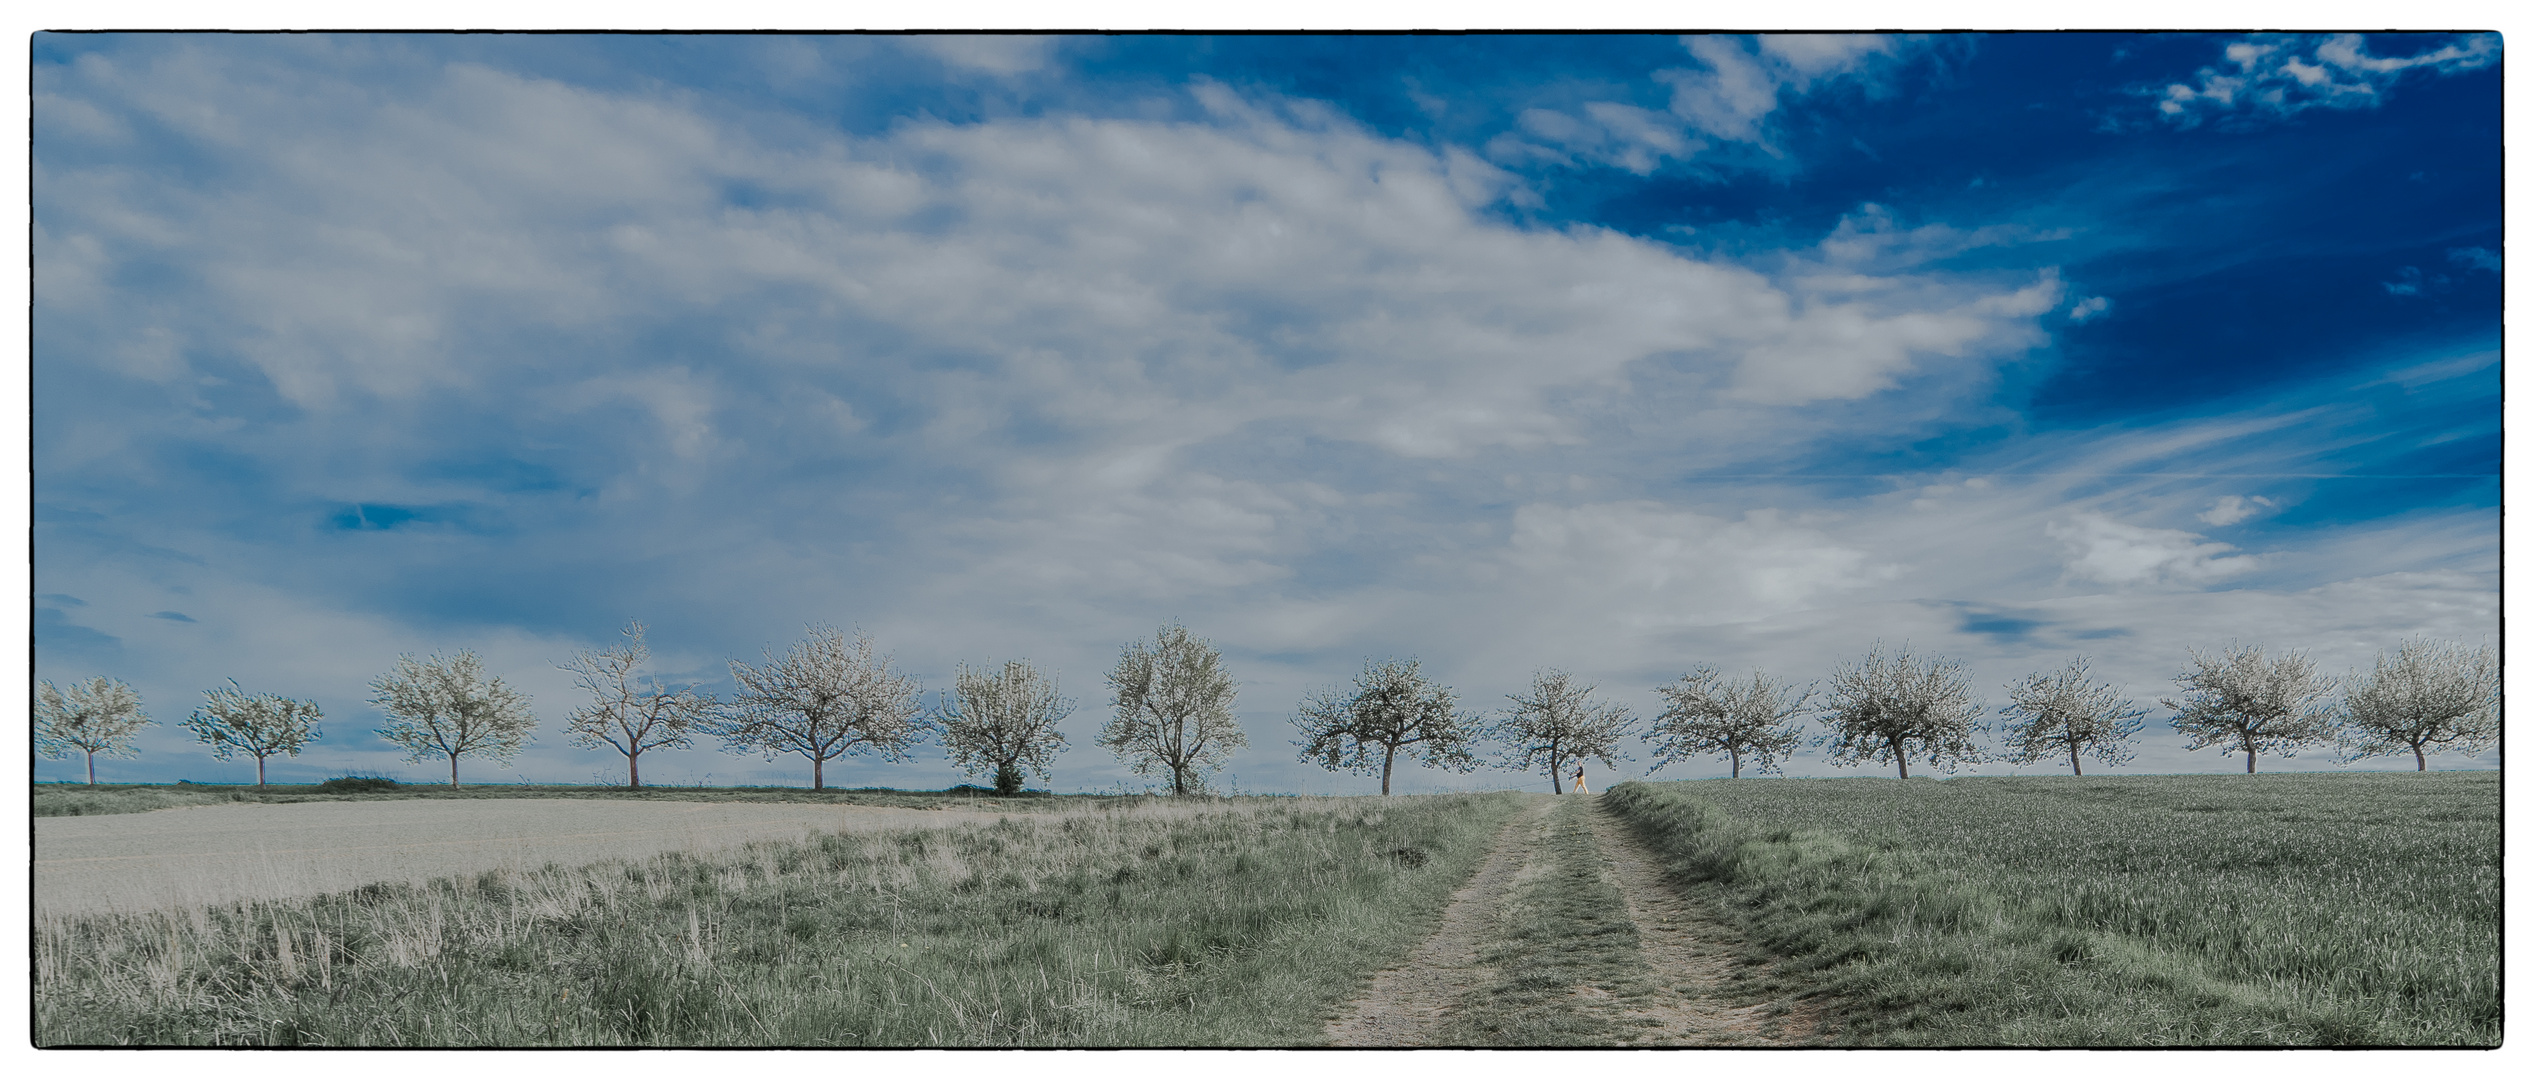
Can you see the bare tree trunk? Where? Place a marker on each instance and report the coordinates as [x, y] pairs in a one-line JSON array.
[[1557, 773], [1901, 755], [1736, 751], [453, 769], [2420, 755], [2248, 756], [92, 766], [1387, 754], [2073, 763], [818, 774], [259, 772], [633, 770]]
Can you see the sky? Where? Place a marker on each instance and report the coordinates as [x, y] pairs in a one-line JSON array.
[[1614, 354]]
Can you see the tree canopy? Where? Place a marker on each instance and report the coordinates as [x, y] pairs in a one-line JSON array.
[[2066, 713], [446, 707], [2427, 697], [1708, 714], [262, 724], [1393, 708], [1173, 710], [630, 711], [1559, 724], [1004, 722], [1886, 706], [98, 718], [825, 698]]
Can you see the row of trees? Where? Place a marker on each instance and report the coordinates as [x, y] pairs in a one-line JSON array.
[[827, 697], [831, 696], [1897, 708]]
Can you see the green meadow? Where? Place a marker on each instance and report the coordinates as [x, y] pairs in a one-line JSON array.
[[2302, 910]]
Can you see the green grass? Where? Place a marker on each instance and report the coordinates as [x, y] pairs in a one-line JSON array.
[[2309, 910], [1566, 927], [1245, 922], [70, 800]]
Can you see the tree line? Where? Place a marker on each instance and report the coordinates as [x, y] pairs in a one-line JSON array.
[[830, 696]]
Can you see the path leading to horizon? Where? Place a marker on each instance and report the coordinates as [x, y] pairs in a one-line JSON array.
[[1681, 992]]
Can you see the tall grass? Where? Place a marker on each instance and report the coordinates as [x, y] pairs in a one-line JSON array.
[[1241, 923], [2223, 910]]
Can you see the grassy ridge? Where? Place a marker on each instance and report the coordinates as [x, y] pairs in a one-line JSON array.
[[2042, 911], [1241, 923]]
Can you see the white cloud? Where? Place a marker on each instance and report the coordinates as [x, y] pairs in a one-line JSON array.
[[2234, 509], [994, 54], [1646, 566], [2088, 309], [2286, 74], [1726, 99], [2114, 553]]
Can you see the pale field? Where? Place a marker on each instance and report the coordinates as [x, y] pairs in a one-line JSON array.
[[193, 856]]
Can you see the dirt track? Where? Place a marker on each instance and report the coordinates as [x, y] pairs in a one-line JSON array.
[[217, 854], [1690, 953]]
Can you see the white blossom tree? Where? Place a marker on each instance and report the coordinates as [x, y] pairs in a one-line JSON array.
[[1559, 725], [826, 698], [2242, 700], [446, 707], [2066, 713], [99, 718], [235, 722], [1004, 723], [1887, 706], [2426, 696], [1708, 714], [630, 711], [1394, 708], [1173, 703]]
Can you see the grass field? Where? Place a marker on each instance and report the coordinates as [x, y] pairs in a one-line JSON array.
[[1244, 922], [76, 800], [2315, 910]]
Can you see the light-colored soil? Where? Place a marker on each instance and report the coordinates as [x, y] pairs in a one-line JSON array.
[[178, 858], [1692, 956], [1407, 1004]]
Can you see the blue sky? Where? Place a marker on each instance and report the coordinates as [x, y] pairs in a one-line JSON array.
[[1618, 354]]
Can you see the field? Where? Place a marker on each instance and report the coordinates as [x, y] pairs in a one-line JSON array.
[[220, 854], [2286, 910], [1243, 922], [2313, 910], [86, 800]]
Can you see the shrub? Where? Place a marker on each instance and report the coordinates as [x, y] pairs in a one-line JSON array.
[[356, 785]]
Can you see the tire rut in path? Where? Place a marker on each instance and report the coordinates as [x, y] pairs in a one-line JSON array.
[[1406, 1005]]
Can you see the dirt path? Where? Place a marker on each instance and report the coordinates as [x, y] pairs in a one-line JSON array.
[[1405, 1005], [1691, 956]]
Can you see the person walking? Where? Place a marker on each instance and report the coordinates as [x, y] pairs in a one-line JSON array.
[[1580, 789]]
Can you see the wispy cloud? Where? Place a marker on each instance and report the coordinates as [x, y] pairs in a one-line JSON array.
[[1725, 99], [2282, 75]]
